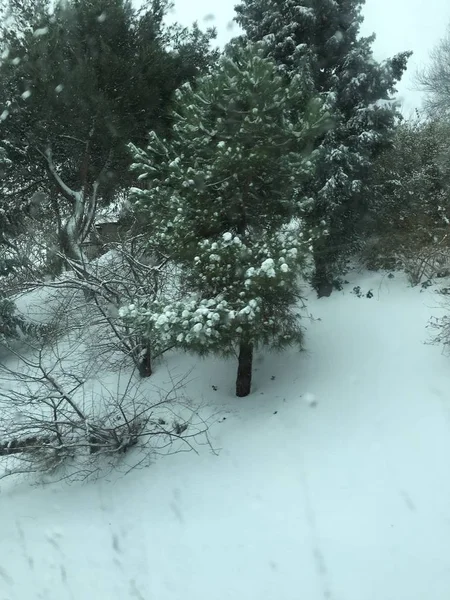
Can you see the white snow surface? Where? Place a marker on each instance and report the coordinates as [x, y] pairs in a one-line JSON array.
[[331, 480]]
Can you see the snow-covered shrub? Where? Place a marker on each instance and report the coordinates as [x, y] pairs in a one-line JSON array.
[[408, 224], [129, 273], [54, 420], [440, 325]]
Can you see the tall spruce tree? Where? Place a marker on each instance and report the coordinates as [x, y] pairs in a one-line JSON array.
[[321, 38], [224, 193]]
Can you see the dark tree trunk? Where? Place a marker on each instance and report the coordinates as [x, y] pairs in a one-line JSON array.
[[322, 281], [145, 364], [245, 366]]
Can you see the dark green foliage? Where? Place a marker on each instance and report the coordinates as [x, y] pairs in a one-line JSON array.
[[8, 323], [85, 78], [320, 39], [410, 181], [224, 195], [12, 326], [410, 194]]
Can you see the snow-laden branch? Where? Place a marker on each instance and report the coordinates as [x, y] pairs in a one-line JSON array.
[[69, 193], [89, 216], [43, 427]]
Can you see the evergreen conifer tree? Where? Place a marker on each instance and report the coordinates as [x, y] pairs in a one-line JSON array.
[[224, 197], [321, 38], [78, 81]]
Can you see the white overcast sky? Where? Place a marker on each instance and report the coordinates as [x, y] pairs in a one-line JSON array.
[[415, 25]]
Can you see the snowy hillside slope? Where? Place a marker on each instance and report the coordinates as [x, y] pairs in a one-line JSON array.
[[331, 480]]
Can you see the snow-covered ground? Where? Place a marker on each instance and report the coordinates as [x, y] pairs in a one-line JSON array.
[[331, 481]]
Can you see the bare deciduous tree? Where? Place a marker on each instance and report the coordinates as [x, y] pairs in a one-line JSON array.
[[434, 80], [129, 273], [56, 419]]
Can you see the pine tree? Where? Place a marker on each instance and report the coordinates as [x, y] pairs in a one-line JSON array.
[[13, 325], [224, 193], [321, 37], [8, 325], [78, 81]]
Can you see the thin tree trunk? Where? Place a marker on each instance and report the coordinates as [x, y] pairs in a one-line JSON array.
[[145, 364], [245, 366], [245, 359], [322, 281]]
